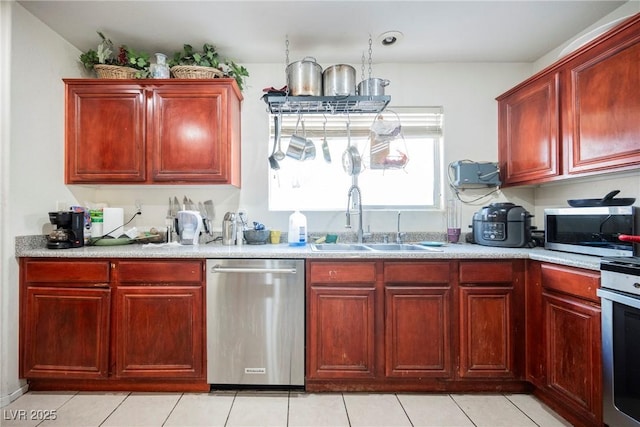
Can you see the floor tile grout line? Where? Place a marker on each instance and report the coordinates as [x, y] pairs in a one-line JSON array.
[[520, 409], [288, 406], [463, 411], [344, 403], [226, 421], [403, 409], [75, 393], [172, 409], [114, 409]]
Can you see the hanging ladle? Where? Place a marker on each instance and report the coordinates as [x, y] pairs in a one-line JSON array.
[[278, 155], [325, 146], [273, 162]]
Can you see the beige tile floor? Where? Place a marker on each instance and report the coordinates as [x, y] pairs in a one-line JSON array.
[[246, 408]]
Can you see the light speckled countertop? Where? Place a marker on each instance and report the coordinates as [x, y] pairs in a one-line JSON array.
[[34, 246]]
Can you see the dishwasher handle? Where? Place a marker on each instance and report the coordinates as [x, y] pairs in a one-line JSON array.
[[222, 269]]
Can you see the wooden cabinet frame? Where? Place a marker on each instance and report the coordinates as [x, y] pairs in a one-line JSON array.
[[113, 325], [401, 325], [577, 117], [152, 131]]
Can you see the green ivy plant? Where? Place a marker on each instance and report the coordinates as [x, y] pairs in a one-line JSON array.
[[126, 57], [208, 57]]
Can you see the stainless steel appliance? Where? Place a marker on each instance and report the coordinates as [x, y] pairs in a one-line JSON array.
[[590, 230], [255, 322], [502, 224], [620, 297]]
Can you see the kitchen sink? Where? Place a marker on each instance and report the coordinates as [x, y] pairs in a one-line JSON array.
[[356, 247], [339, 247], [397, 247]]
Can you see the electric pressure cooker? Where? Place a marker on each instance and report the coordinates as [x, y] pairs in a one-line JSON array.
[[502, 224]]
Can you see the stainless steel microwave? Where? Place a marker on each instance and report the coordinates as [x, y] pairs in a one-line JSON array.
[[592, 230]]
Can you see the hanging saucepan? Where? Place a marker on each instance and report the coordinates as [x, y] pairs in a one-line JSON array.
[[372, 87], [304, 77], [301, 148], [339, 80], [351, 160], [607, 200]]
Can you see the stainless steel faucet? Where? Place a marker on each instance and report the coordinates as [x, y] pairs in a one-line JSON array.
[[355, 188], [399, 234]]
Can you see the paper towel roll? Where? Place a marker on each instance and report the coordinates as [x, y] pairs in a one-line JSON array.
[[113, 221]]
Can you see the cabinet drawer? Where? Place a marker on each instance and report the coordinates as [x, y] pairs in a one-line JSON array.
[[343, 272], [160, 271], [486, 272], [412, 272], [36, 271], [580, 283]]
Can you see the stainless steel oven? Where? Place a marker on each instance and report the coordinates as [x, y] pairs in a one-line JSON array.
[[620, 297]]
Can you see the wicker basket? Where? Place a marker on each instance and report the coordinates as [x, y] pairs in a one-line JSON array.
[[195, 72], [114, 72]]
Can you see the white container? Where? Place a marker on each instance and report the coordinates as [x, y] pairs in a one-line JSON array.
[[297, 229], [113, 221]]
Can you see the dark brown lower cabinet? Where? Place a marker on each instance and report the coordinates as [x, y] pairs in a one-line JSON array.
[[564, 347], [159, 332], [409, 325], [341, 320], [112, 324], [486, 332], [342, 333], [573, 353], [68, 333], [418, 307], [491, 313], [417, 332]]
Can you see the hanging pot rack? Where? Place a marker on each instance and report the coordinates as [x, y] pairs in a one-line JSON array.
[[282, 103]]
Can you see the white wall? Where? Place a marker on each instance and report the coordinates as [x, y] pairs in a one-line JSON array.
[[32, 154]]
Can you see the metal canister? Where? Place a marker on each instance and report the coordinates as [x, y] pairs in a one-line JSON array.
[[229, 229]]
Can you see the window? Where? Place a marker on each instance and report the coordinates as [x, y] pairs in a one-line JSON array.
[[400, 152]]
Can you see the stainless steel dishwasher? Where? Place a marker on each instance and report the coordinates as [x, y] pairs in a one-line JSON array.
[[255, 322]]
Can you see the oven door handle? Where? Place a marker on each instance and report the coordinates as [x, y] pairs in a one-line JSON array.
[[619, 298]]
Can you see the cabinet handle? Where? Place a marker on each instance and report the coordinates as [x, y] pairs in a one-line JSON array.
[[219, 269]]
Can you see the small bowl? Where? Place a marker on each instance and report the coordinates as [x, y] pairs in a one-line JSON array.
[[256, 237]]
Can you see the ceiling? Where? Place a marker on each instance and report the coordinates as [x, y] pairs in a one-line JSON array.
[[256, 31]]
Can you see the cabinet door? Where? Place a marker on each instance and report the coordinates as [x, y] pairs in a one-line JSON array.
[[190, 134], [340, 337], [603, 106], [66, 333], [486, 332], [105, 133], [417, 332], [529, 132], [159, 332], [573, 356]]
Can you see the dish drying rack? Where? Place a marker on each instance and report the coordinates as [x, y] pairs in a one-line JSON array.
[[284, 104]]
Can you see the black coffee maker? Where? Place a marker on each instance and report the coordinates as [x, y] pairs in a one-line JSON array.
[[69, 232]]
